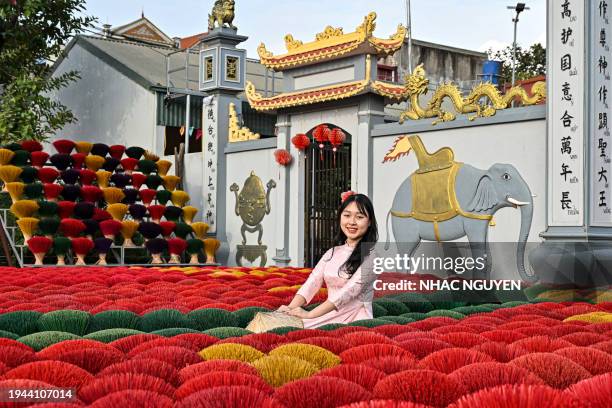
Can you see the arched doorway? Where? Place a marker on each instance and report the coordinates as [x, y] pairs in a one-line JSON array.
[[326, 179]]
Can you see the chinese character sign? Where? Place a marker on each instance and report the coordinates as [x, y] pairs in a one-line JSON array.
[[566, 112], [600, 204], [210, 145]]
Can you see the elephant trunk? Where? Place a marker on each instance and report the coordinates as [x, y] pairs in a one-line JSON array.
[[526, 217]]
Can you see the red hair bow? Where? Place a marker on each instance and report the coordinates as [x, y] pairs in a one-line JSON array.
[[344, 196]]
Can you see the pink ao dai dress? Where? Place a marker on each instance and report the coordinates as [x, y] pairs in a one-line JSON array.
[[350, 296]]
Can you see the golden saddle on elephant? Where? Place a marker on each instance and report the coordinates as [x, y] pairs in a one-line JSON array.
[[433, 183]]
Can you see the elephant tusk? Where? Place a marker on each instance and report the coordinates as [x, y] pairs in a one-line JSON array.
[[516, 202]]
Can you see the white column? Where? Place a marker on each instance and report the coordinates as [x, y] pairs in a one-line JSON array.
[[283, 192]]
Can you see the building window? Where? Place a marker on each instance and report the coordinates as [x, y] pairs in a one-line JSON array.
[[387, 73]]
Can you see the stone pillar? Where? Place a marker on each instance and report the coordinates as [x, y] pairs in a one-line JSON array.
[[222, 77], [283, 193], [578, 237], [371, 112]]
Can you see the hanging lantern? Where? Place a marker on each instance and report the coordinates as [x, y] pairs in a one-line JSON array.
[[301, 141], [321, 135], [283, 157], [336, 138]]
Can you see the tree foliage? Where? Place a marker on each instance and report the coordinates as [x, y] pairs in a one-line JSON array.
[[33, 34], [529, 63]]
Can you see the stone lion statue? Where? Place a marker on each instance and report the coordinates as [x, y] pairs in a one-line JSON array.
[[222, 13]]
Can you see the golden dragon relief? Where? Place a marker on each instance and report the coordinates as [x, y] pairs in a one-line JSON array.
[[416, 86]]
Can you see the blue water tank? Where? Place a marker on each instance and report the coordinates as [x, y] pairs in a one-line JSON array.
[[491, 71]]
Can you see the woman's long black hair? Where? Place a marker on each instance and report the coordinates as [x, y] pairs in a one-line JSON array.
[[366, 242]]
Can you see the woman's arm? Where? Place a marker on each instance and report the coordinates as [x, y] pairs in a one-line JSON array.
[[318, 311], [310, 288]]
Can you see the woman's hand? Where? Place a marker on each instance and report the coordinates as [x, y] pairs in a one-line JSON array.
[[299, 312], [283, 308]]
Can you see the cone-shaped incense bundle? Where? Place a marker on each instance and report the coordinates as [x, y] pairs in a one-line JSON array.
[[157, 212], [39, 159], [61, 161], [138, 211], [6, 156], [128, 229], [65, 209], [48, 174], [147, 195], [117, 210], [113, 195], [48, 208], [102, 246], [179, 198], [111, 164], [91, 227], [163, 196], [91, 194], [52, 191], [21, 158], [9, 173], [149, 155], [167, 228], [71, 192], [100, 149], [149, 230], [210, 248], [147, 167], [134, 152], [39, 246], [138, 180], [28, 226], [24, 208], [116, 151], [101, 215], [61, 246], [170, 182], [83, 147], [33, 191], [71, 228], [120, 180], [110, 228], [129, 164], [94, 162], [103, 178], [88, 177], [64, 146], [176, 247], [153, 181], [173, 213], [163, 166], [15, 190], [156, 247], [49, 226], [200, 229], [182, 230], [131, 195], [84, 210], [29, 174], [194, 248], [13, 146], [189, 214], [81, 247], [71, 176], [78, 159], [31, 146]]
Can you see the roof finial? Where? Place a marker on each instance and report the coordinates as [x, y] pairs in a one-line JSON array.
[[142, 12]]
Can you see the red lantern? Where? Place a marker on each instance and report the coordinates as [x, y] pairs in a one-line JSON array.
[[336, 138], [283, 157], [321, 135], [300, 141]]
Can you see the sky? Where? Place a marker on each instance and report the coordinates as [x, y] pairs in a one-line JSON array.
[[471, 24]]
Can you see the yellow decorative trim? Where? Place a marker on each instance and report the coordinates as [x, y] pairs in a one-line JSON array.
[[237, 133], [331, 43], [389, 90], [417, 83]]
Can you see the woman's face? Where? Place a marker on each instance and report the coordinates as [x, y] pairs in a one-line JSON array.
[[353, 223]]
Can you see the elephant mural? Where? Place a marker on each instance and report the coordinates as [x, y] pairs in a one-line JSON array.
[[446, 200]]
